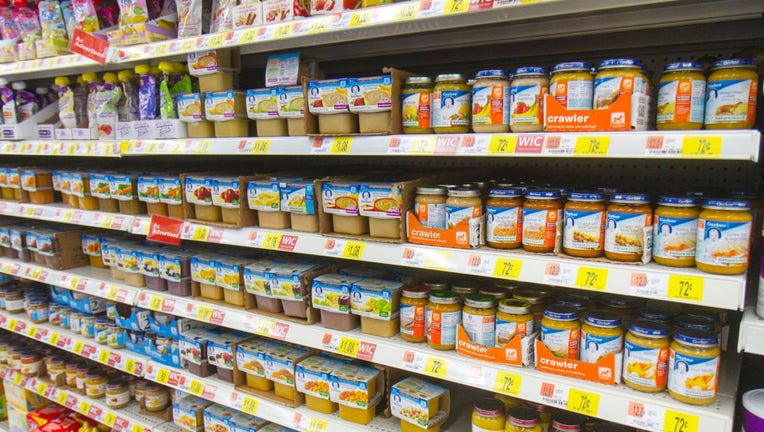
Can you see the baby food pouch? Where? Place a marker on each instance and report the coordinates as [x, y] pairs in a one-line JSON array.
[[67, 11], [66, 111], [26, 103], [8, 28], [81, 100], [127, 108], [133, 14], [91, 81], [189, 18], [85, 17], [166, 103], [8, 103], [52, 23], [147, 93], [222, 16], [107, 97], [27, 21]]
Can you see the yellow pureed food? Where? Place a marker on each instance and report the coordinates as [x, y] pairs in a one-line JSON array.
[[645, 361], [560, 331], [731, 96], [675, 228], [681, 97], [696, 381], [723, 242]]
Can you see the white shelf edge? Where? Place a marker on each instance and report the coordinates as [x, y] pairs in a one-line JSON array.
[[751, 337]]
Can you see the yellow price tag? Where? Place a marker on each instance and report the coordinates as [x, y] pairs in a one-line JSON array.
[[84, 407], [216, 41], [12, 325], [78, 346], [138, 428], [41, 388], [436, 367], [156, 303], [73, 282], [676, 421], [29, 211], [422, 145], [32, 331], [348, 347], [261, 146], [130, 366], [353, 250], [318, 26], [456, 6], [163, 376], [248, 36], [202, 147], [109, 419], [592, 145], [18, 379], [592, 278], [204, 313], [583, 402], [103, 356], [112, 293], [702, 146], [107, 221], [507, 383], [406, 11], [196, 387], [201, 233], [316, 425], [282, 31], [360, 18], [61, 398], [502, 144], [685, 287], [54, 339], [272, 241], [36, 273], [342, 144], [249, 405], [187, 44], [507, 268]]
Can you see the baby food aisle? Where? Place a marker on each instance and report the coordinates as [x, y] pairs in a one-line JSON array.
[[373, 215]]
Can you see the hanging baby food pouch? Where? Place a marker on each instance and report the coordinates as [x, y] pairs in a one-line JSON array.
[[85, 17], [66, 104], [67, 10], [147, 97], [27, 22], [222, 16], [189, 18], [8, 28], [9, 105], [26, 104], [52, 23], [107, 98]]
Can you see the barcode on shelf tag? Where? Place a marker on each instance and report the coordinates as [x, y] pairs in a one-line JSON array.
[[426, 258], [554, 394], [645, 416], [560, 274]]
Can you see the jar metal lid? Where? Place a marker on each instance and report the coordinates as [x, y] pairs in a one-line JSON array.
[[630, 198], [463, 288], [463, 192], [514, 306], [696, 337], [532, 297], [543, 193], [726, 204], [683, 66], [570, 300], [431, 190], [530, 70], [418, 80], [571, 66], [694, 322], [600, 318], [678, 201], [566, 421], [729, 63], [492, 73], [620, 62], [497, 293], [522, 416], [649, 328], [746, 194], [703, 313], [657, 315], [450, 77], [561, 312], [444, 297], [435, 285], [621, 302], [489, 407], [505, 193], [480, 301], [586, 196]]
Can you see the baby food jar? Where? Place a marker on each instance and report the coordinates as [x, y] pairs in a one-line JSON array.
[[450, 109], [645, 360], [95, 384], [628, 216], [412, 313], [116, 336], [694, 367], [101, 328], [155, 398], [675, 228], [724, 229], [31, 364], [417, 93], [488, 415], [117, 393], [71, 373], [513, 318], [443, 316], [541, 219], [560, 330], [479, 319], [731, 95], [38, 311], [82, 374], [528, 88], [565, 422], [572, 84], [88, 326], [430, 206], [584, 231], [504, 223], [75, 322], [65, 313], [537, 299], [463, 204], [523, 419], [56, 367], [616, 77], [464, 289], [681, 97], [601, 334], [490, 101]]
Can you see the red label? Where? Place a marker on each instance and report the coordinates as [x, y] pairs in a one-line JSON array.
[[533, 144], [165, 230], [288, 242], [366, 351], [89, 46], [280, 331], [168, 305], [447, 145], [217, 317]]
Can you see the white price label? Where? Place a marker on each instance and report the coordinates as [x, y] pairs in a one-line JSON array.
[[654, 285], [561, 274], [664, 145], [426, 258], [645, 416], [554, 394]]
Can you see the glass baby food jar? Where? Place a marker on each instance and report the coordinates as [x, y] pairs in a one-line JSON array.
[[443, 315], [731, 95], [681, 97], [628, 215], [584, 231], [417, 94], [724, 229], [645, 360], [541, 217], [450, 109], [675, 229], [413, 311], [696, 382], [528, 88], [504, 220], [430, 206], [490, 101], [560, 330], [616, 77], [572, 84], [463, 203]]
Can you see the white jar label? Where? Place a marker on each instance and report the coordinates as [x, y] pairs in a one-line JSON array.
[[674, 238], [693, 377], [731, 101], [441, 327], [584, 230], [490, 105], [480, 329], [681, 101], [593, 347], [504, 224], [450, 108], [723, 243], [574, 94], [645, 366], [625, 232], [561, 343]]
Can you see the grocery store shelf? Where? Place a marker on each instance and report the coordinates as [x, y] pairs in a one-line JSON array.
[[721, 145], [75, 343], [47, 67], [751, 338], [128, 419], [59, 213]]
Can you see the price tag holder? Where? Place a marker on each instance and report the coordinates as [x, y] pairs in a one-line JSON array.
[[592, 146], [249, 405], [702, 146], [592, 278], [507, 383], [685, 287], [583, 402], [426, 258]]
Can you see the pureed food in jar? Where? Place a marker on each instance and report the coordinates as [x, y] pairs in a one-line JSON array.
[[541, 219], [572, 84], [601, 334], [513, 318], [430, 206], [523, 419], [724, 229], [527, 90], [413, 314], [479, 319], [463, 203], [681, 97], [646, 353], [450, 109], [694, 367], [443, 315], [584, 232], [488, 415], [490, 101], [629, 220], [504, 221], [675, 228], [417, 94], [560, 330], [616, 77], [731, 95]]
